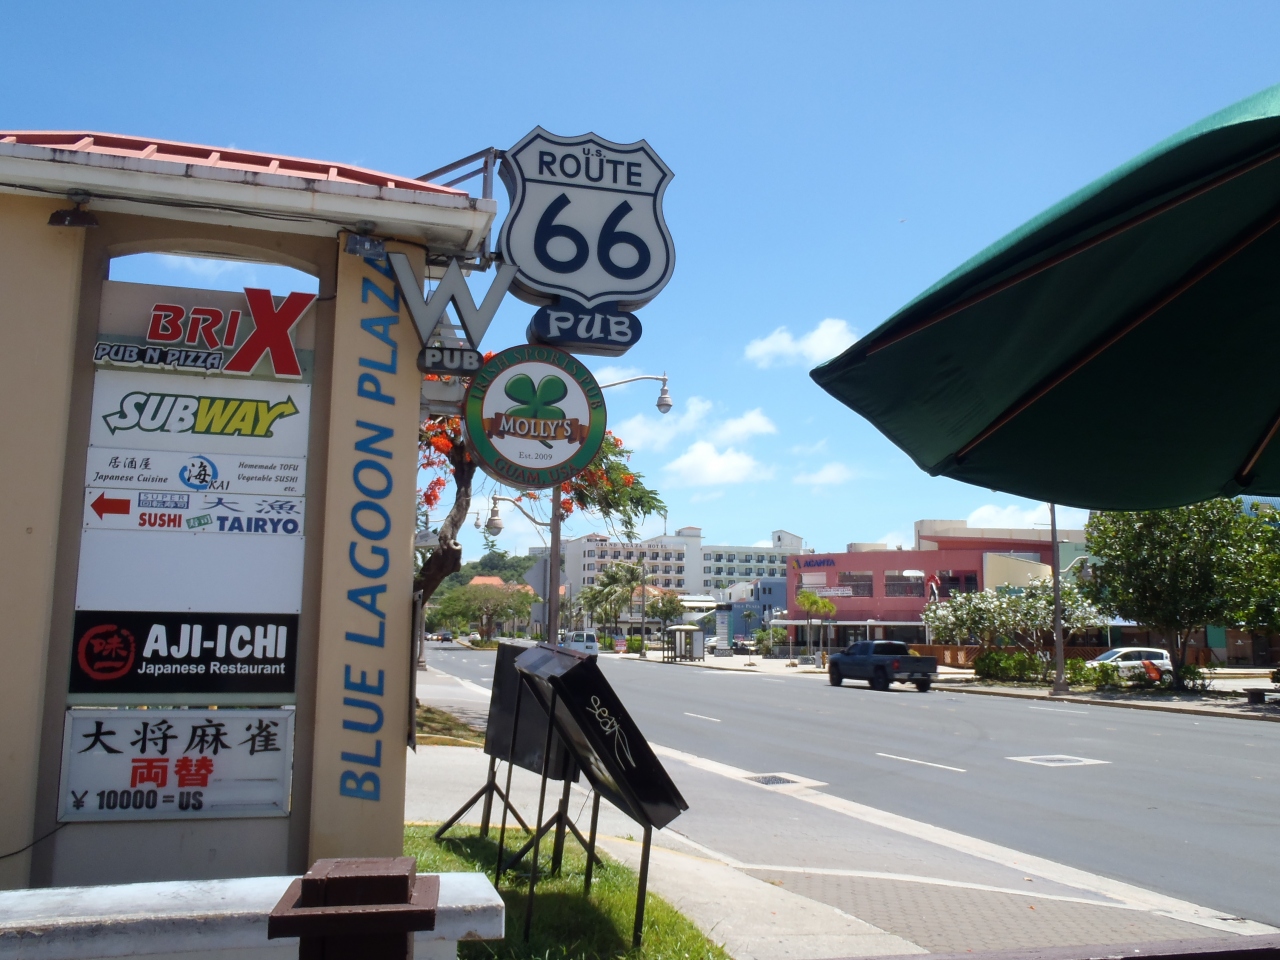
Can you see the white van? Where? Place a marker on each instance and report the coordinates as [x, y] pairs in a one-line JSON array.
[[584, 641]]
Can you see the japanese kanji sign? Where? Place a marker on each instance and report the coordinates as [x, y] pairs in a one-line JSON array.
[[175, 764]]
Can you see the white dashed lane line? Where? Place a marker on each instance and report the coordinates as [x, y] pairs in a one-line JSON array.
[[923, 763]]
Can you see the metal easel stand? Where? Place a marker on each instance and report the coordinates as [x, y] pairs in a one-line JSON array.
[[560, 819], [488, 791]]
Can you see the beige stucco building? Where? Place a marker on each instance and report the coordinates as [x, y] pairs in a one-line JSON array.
[[349, 626]]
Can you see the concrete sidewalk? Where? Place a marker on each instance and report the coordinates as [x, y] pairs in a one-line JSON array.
[[790, 871]]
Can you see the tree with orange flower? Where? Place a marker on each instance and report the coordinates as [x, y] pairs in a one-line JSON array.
[[607, 488]]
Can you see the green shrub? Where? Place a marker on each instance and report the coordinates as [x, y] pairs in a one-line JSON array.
[[1017, 666], [1106, 676], [1078, 674], [634, 644], [1193, 677]]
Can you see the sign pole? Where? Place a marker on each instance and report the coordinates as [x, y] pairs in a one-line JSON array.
[[553, 572]]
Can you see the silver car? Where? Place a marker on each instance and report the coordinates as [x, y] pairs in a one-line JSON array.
[[1128, 660]]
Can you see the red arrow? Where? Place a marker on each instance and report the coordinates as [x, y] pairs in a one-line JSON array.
[[102, 506]]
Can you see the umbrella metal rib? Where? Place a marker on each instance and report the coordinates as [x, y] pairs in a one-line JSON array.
[[898, 335], [1091, 353]]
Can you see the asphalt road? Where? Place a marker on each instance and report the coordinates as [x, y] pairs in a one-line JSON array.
[[1183, 805]]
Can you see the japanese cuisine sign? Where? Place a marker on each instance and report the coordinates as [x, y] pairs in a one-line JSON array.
[[175, 764], [192, 533]]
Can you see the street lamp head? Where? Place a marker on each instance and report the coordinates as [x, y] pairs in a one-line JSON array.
[[494, 526], [664, 400]]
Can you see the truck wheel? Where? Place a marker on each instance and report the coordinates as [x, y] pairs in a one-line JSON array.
[[833, 675], [923, 685], [880, 679]]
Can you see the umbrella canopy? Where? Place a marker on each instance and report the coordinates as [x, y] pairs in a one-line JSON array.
[[1119, 351]]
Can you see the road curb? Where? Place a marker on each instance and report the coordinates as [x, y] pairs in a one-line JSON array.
[[1125, 705]]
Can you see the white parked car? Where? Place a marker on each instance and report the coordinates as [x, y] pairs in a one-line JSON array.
[[584, 641], [1128, 660]]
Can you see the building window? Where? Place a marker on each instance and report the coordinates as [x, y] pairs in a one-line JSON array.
[[591, 553], [773, 558], [679, 568], [679, 556], [773, 572], [859, 580], [732, 557], [719, 570], [719, 584], [666, 568], [706, 583], [631, 555], [706, 556], [616, 554], [706, 569], [732, 570], [667, 555], [899, 584], [591, 566], [679, 583], [957, 581], [719, 558], [759, 558]]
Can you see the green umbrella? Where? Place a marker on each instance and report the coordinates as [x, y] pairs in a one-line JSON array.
[[1120, 351]]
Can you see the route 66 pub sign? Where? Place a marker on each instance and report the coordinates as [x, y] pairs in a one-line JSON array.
[[534, 416], [587, 235]]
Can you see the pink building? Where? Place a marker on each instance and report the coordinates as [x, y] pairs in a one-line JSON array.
[[882, 591]]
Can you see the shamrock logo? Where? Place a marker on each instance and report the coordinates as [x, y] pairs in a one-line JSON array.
[[536, 403]]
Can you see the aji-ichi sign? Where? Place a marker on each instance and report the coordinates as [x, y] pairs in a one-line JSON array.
[[587, 235], [534, 416]]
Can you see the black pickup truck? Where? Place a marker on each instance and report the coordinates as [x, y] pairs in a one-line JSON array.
[[880, 663]]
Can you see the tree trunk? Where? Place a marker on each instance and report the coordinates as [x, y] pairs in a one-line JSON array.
[[447, 557], [1179, 656]]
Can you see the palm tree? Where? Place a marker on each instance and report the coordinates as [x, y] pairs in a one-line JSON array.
[[621, 581], [812, 605]]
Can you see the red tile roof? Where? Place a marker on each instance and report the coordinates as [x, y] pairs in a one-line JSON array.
[[149, 148]]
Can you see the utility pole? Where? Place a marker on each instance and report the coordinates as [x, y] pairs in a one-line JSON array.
[[553, 572], [1060, 684]]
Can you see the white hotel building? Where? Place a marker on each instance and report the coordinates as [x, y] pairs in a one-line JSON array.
[[679, 561]]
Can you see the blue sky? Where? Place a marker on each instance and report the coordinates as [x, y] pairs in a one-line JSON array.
[[831, 161]]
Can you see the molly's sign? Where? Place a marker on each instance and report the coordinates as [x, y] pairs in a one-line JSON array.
[[534, 416]]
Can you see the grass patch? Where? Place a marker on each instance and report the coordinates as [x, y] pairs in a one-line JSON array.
[[566, 925], [436, 726]]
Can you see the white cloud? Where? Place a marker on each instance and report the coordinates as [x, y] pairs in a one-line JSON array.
[[827, 476], [751, 423], [643, 432], [702, 465], [706, 496], [893, 540], [780, 348], [1025, 518], [763, 543]]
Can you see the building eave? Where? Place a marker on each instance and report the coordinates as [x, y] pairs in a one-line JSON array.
[[259, 200]]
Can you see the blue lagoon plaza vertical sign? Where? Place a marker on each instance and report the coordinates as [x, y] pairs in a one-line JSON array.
[[587, 236]]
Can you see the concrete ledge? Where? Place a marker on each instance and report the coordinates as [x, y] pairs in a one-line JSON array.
[[207, 919]]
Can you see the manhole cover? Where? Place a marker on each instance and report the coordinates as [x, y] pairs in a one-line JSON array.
[[1058, 760], [771, 780]]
